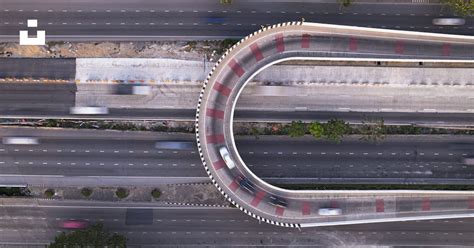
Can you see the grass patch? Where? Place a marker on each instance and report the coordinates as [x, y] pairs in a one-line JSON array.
[[375, 187], [121, 193], [49, 193]]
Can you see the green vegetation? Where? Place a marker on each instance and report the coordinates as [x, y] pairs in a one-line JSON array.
[[49, 193], [334, 130], [226, 2], [374, 187], [345, 3], [296, 129], [156, 193], [121, 193], [463, 8], [86, 192], [94, 236], [373, 130], [14, 191]]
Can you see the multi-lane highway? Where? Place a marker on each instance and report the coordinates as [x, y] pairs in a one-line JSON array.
[[26, 223], [68, 157], [127, 20]]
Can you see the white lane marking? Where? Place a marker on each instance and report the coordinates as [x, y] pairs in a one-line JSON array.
[[116, 151], [59, 150], [73, 150]]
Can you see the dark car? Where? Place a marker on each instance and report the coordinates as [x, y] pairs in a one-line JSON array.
[[278, 201], [246, 184], [215, 20]]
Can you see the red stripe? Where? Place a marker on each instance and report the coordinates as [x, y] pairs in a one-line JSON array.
[[236, 68], [279, 211], [233, 186], [257, 199], [215, 113], [471, 203], [280, 44], [256, 52], [218, 138], [333, 204], [306, 209], [400, 47], [353, 44], [224, 90], [219, 164], [379, 205], [426, 205], [446, 49], [305, 41]]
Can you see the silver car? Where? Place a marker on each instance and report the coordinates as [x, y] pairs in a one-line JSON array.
[[20, 141], [329, 211], [227, 159], [448, 21]]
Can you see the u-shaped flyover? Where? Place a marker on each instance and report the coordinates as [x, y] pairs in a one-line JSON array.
[[302, 40]]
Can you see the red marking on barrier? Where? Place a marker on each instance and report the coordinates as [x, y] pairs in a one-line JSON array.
[[353, 44], [215, 113], [279, 211], [379, 206], [306, 208], [212, 139], [233, 186], [333, 204], [280, 43], [236, 68], [426, 205], [257, 199], [219, 164], [471, 203], [400, 47], [224, 90], [446, 49], [305, 41], [256, 52]]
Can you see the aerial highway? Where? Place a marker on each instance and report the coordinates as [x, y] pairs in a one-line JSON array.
[[66, 157], [36, 223], [124, 20], [296, 40]]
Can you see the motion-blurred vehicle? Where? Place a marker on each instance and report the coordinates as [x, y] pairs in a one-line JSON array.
[[175, 145], [131, 89], [89, 110], [20, 141], [278, 201], [227, 159], [215, 20], [329, 211], [468, 161], [246, 184], [449, 21], [74, 224]]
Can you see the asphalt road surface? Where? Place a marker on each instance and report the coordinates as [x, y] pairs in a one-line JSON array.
[[127, 20], [277, 159], [38, 68], [202, 227]]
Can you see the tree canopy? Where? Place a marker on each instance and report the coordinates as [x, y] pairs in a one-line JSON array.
[[93, 236], [461, 7]]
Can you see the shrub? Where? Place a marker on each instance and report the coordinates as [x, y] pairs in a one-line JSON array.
[[86, 192], [49, 193], [156, 193], [121, 193]]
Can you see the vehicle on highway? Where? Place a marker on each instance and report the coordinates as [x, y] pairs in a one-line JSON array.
[[20, 141], [278, 201], [215, 20], [468, 161], [246, 184], [74, 224], [175, 145], [226, 157], [449, 21], [89, 110], [329, 211], [133, 89]]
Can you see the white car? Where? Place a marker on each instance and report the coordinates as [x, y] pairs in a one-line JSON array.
[[446, 21], [89, 110], [329, 211], [141, 90], [20, 141], [226, 156]]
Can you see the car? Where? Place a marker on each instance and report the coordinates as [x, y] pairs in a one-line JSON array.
[[74, 224], [89, 110], [20, 141], [215, 20], [246, 184], [329, 211], [226, 157], [175, 145], [449, 21], [132, 89], [278, 201]]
